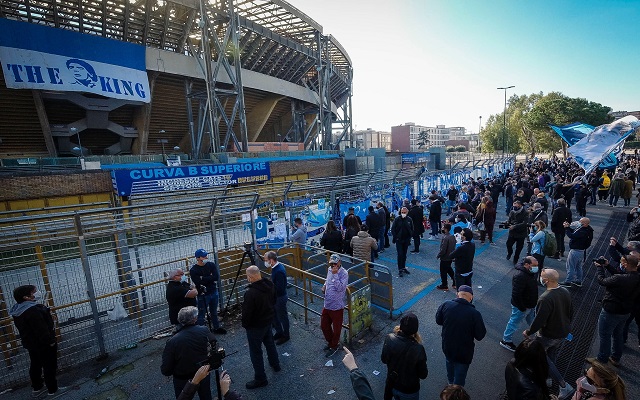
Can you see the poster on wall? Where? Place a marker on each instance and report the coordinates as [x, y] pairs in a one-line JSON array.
[[45, 58]]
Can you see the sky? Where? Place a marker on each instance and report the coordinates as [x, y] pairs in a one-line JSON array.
[[441, 62]]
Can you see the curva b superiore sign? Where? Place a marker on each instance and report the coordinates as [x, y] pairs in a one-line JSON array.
[[41, 57], [166, 179]]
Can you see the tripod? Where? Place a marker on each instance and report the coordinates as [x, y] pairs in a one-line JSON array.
[[207, 313], [248, 252]]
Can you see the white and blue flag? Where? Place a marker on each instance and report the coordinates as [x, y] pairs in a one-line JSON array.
[[596, 145]]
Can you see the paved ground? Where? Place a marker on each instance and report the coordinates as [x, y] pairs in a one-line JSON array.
[[135, 374]]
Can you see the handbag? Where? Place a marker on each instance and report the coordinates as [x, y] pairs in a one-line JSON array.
[[481, 226]]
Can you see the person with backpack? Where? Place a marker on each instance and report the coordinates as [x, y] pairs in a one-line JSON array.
[[538, 239], [579, 241]]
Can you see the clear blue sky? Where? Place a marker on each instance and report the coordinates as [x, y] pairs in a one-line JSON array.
[[440, 62]]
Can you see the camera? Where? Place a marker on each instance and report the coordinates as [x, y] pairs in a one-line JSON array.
[[215, 356], [504, 225], [247, 246], [202, 290], [600, 260]]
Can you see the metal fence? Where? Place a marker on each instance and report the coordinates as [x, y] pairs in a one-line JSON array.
[[93, 262]]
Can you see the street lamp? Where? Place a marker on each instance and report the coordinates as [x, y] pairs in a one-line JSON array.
[[504, 115], [479, 149], [74, 131], [162, 142]]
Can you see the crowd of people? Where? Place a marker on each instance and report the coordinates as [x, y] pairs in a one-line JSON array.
[[538, 196]]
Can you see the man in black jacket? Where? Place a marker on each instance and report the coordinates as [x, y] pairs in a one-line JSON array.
[[524, 296], [560, 215], [579, 242], [435, 216], [622, 291], [416, 214], [518, 230], [204, 274], [35, 324], [461, 325], [406, 359], [186, 351], [179, 294], [402, 231], [375, 224], [463, 257], [257, 316]]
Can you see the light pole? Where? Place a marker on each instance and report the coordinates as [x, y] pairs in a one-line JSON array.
[[504, 115], [479, 129], [74, 131], [162, 142]]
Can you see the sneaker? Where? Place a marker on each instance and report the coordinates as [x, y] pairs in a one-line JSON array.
[[454, 287], [565, 284], [406, 271], [414, 251], [577, 284], [332, 350], [565, 392], [508, 256], [493, 243], [282, 340], [37, 393], [276, 368], [614, 362], [61, 390], [220, 331], [254, 384], [431, 237], [400, 274], [508, 345], [443, 288], [591, 360]]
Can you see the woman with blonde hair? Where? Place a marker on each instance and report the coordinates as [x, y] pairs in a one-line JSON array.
[[600, 383]]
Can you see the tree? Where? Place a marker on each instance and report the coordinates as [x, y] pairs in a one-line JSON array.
[[460, 148], [450, 149], [528, 119], [423, 139]]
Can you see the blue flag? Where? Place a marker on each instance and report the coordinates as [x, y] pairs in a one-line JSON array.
[[572, 133]]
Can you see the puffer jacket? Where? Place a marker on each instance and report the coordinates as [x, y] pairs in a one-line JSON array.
[[362, 244]]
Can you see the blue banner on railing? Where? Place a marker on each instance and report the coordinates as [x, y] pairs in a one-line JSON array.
[[150, 180], [415, 158], [45, 58]]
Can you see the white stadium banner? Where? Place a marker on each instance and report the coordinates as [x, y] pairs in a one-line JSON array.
[[40, 57]]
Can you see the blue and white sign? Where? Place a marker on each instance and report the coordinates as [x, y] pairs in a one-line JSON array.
[[166, 179], [415, 158], [40, 57]]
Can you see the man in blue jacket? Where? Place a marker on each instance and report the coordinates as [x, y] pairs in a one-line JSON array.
[[461, 325], [204, 275], [279, 279]]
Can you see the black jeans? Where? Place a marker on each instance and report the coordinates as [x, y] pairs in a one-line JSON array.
[[416, 242], [204, 390], [256, 338], [44, 360], [401, 248], [519, 242], [559, 240], [445, 269], [463, 280]]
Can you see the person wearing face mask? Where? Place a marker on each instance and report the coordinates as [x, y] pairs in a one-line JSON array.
[[402, 231], [622, 290], [279, 279], [524, 297], [179, 294], [35, 324], [599, 383], [537, 238], [552, 323], [517, 231]]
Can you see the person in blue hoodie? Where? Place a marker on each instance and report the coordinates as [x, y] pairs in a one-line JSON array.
[[35, 324]]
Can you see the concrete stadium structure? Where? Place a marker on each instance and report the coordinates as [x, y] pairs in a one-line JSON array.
[[222, 73]]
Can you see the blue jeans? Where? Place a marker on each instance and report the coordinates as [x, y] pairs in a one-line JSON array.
[[551, 347], [256, 338], [435, 227], [281, 318], [381, 239], [397, 395], [574, 265], [210, 300], [514, 322], [456, 372], [610, 325], [204, 390], [613, 199]]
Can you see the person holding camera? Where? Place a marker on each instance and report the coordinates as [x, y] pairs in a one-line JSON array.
[[621, 292], [191, 388], [579, 241], [204, 275], [179, 294], [186, 351], [257, 316], [518, 230]]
